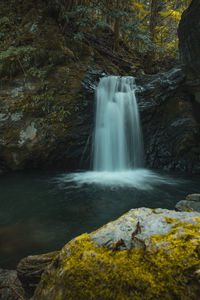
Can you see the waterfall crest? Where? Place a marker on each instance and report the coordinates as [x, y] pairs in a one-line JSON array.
[[118, 142]]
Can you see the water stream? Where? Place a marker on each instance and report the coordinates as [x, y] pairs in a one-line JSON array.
[[117, 137]]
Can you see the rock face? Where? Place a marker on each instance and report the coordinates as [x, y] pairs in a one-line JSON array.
[[45, 111], [189, 48], [191, 203], [171, 132], [145, 254]]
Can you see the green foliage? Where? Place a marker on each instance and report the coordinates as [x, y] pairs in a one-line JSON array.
[[17, 52], [101, 24], [15, 59], [131, 20], [40, 73]]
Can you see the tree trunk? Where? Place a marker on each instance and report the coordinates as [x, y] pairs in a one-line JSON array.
[[154, 18], [155, 8], [116, 27]]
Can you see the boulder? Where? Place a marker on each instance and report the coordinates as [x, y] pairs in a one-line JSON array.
[[193, 197], [185, 205], [30, 269], [191, 203], [10, 286], [145, 254], [189, 48]]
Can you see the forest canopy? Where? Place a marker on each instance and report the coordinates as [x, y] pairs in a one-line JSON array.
[[147, 26]]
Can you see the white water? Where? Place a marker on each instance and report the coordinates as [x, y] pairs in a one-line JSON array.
[[117, 148], [117, 139], [141, 179]]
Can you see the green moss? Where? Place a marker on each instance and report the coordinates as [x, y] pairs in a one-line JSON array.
[[166, 271], [12, 136]]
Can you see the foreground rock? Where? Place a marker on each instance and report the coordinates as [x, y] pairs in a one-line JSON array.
[[191, 203], [30, 269], [10, 286], [145, 254]]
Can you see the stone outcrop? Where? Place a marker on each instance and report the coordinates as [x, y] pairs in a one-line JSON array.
[[171, 132], [191, 203], [145, 254], [30, 269], [189, 48]]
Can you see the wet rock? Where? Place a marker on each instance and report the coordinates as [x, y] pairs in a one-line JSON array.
[[153, 90], [191, 203], [28, 134], [4, 117], [171, 132], [145, 254], [30, 269], [10, 286], [91, 80], [16, 117], [185, 205], [193, 197]]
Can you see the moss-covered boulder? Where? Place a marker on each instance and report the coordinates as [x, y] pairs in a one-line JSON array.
[[145, 254]]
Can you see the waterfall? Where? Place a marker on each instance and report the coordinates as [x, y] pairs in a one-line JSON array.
[[118, 142]]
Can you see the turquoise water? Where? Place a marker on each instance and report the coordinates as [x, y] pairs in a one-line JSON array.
[[40, 212]]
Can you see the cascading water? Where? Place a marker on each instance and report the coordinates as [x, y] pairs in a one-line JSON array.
[[117, 139]]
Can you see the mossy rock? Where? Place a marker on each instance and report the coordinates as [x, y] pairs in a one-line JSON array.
[[145, 254]]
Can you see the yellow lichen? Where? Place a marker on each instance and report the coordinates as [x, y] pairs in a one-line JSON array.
[[86, 271], [170, 220]]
